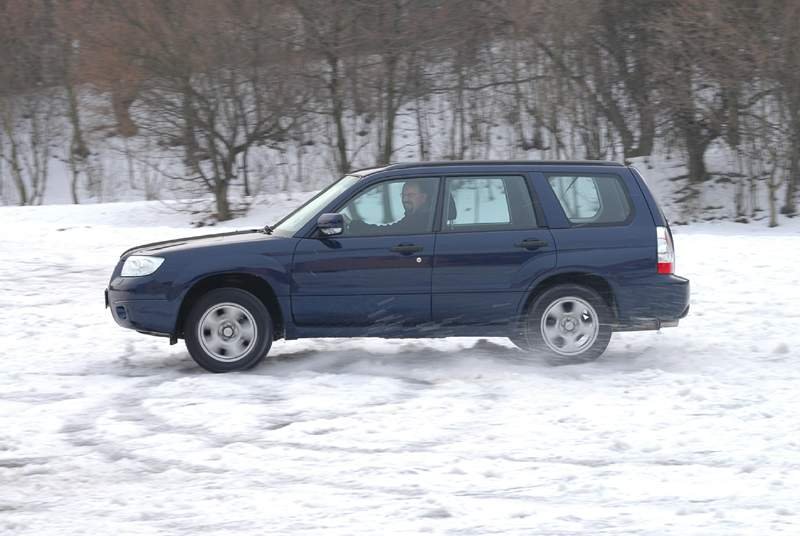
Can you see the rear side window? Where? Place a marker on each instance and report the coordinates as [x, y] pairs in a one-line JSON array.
[[487, 203], [592, 199]]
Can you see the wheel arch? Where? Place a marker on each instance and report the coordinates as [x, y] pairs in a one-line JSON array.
[[244, 281], [590, 280]]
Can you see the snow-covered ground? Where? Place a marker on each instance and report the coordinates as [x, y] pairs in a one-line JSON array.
[[695, 430]]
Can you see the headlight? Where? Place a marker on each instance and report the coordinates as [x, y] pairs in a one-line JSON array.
[[139, 265]]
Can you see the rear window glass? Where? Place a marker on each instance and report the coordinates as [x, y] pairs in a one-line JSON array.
[[592, 199]]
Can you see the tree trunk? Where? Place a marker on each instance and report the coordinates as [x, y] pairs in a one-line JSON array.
[[245, 173], [2, 181], [647, 127], [789, 206], [754, 207], [388, 133], [696, 150], [793, 180], [78, 149], [390, 111], [388, 139], [16, 174], [773, 212], [334, 87], [14, 163], [73, 183], [221, 197], [190, 144], [122, 97], [696, 145], [738, 196], [422, 130], [773, 185]]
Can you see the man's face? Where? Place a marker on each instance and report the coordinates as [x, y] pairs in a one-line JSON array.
[[413, 197]]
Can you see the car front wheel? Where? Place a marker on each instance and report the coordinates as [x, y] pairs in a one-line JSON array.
[[566, 324], [228, 329]]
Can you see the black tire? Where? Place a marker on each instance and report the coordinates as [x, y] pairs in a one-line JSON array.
[[576, 348], [243, 325]]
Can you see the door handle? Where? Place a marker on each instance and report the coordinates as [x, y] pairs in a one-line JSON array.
[[531, 243], [406, 249]]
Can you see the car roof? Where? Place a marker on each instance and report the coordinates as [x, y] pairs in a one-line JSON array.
[[366, 171], [469, 163]]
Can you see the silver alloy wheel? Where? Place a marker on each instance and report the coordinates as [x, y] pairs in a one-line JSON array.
[[569, 326], [227, 332]]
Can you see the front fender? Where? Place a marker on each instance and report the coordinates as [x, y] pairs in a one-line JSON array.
[[269, 270], [271, 264]]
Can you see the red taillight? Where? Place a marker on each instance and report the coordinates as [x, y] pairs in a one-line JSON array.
[[666, 251]]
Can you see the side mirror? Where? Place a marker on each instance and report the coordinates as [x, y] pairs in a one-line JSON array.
[[331, 224]]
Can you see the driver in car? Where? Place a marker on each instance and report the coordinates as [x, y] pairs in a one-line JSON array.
[[418, 205]]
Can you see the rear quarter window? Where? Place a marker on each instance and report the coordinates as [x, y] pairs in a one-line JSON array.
[[592, 199]]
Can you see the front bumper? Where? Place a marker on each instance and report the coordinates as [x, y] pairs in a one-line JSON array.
[[153, 316]]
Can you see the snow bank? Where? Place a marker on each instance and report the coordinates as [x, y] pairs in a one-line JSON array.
[[102, 430]]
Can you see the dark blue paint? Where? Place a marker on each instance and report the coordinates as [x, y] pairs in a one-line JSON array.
[[465, 283], [360, 281], [481, 277]]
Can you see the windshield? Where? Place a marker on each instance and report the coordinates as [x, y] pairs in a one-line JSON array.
[[292, 223]]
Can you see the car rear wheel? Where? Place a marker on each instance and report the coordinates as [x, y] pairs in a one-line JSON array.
[[228, 329], [566, 324]]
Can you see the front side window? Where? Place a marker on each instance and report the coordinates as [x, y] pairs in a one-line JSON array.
[[591, 199], [404, 206], [486, 203]]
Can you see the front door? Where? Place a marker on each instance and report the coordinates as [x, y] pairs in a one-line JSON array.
[[489, 250], [377, 274]]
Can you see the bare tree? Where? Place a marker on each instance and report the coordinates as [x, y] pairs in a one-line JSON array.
[[28, 72], [330, 39], [781, 57], [215, 98], [27, 124], [605, 59], [396, 33], [697, 79]]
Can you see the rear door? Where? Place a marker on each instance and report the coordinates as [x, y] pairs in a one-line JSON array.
[[603, 226], [490, 248]]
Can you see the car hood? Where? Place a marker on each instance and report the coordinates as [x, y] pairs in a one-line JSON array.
[[203, 241]]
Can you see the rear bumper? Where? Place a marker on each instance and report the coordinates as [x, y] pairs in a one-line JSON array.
[[152, 316], [660, 301]]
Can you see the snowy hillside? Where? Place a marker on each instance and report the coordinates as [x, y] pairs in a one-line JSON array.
[[105, 431]]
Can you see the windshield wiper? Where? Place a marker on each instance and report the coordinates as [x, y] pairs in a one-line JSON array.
[[267, 229]]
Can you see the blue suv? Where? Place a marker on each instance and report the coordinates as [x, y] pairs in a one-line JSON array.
[[554, 255]]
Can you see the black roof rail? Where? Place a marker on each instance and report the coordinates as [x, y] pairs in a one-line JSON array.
[[404, 165], [367, 170]]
